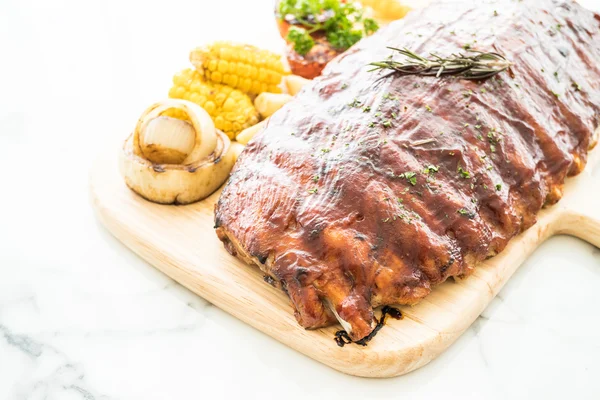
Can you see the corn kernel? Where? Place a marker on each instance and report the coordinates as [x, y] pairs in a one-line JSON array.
[[212, 65], [232, 64], [231, 110], [243, 70], [216, 77], [232, 80], [223, 66], [196, 86], [220, 122], [195, 98], [178, 79], [179, 92], [253, 73], [229, 104], [210, 107], [220, 99]]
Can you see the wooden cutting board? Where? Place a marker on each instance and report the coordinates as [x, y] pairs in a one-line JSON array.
[[180, 241]]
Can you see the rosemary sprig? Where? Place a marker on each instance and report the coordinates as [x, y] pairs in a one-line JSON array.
[[479, 66]]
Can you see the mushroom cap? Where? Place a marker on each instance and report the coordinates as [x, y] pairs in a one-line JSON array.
[[202, 172]]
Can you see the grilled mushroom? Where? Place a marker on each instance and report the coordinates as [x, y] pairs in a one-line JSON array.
[[176, 161]]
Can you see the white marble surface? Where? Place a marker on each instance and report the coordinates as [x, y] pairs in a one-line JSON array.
[[83, 318]]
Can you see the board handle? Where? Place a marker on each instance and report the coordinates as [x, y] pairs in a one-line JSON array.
[[581, 204]]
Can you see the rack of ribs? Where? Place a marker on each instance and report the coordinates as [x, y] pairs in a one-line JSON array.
[[370, 188]]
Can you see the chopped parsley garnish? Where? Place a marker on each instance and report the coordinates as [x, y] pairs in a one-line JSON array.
[[498, 187], [355, 103], [428, 108], [411, 177], [431, 169], [387, 123], [339, 21], [464, 173], [301, 39], [370, 26], [316, 178], [366, 109], [313, 190]]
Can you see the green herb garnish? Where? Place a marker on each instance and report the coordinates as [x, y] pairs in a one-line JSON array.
[[411, 177], [302, 40], [464, 173], [343, 23], [355, 103], [479, 66], [431, 169]]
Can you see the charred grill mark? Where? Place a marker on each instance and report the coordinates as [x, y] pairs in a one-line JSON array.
[[342, 338], [261, 258], [270, 280]]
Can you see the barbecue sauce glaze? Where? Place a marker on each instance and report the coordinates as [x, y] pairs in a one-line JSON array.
[[368, 189]]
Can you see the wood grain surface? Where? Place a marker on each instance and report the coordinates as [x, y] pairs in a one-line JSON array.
[[181, 242]]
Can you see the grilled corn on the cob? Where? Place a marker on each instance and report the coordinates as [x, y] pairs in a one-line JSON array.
[[240, 66], [231, 110]]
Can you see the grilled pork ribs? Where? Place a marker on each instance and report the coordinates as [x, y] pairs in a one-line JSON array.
[[370, 188]]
